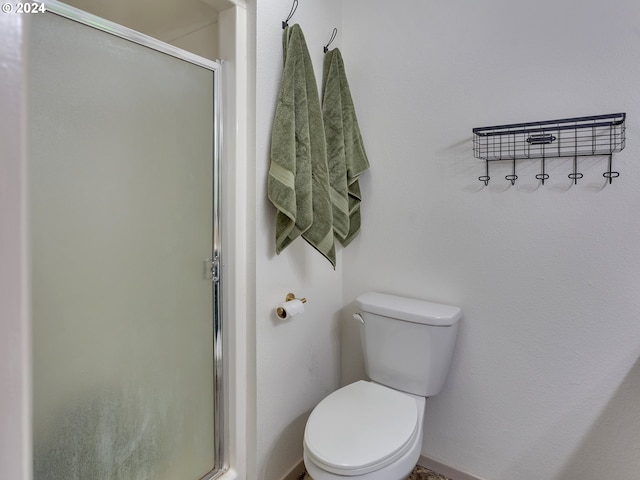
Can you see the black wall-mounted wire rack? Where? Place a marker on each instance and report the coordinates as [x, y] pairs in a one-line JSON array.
[[569, 137]]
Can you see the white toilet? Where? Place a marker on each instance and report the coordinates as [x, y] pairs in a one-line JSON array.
[[372, 430]]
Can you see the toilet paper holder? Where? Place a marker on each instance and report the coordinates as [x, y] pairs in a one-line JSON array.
[[290, 296]]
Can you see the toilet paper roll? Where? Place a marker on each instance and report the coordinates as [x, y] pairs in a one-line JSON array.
[[290, 309]]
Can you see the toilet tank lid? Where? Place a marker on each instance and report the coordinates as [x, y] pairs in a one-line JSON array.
[[409, 309]]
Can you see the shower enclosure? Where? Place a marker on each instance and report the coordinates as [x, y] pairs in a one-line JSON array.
[[124, 227]]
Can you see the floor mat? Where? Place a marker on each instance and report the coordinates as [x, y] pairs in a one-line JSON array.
[[421, 473]]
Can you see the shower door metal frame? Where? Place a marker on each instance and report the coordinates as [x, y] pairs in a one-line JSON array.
[[221, 463]]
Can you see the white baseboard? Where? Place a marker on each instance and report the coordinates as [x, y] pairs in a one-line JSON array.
[[444, 469]]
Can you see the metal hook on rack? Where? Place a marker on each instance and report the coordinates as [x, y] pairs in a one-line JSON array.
[[485, 178], [333, 37], [609, 174], [575, 175], [294, 7], [542, 176], [513, 177]]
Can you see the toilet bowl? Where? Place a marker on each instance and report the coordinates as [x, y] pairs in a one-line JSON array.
[[372, 430], [364, 431]]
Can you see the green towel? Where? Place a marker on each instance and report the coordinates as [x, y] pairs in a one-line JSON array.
[[298, 182], [347, 158]]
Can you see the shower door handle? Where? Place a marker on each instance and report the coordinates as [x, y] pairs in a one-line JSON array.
[[212, 269]]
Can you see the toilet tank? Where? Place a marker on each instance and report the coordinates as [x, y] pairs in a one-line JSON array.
[[408, 344]]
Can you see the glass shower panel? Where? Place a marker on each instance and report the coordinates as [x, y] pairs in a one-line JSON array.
[[121, 185]]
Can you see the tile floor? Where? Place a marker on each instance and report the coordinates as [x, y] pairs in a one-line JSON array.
[[419, 473]]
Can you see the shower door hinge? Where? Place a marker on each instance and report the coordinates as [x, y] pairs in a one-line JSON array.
[[212, 269]]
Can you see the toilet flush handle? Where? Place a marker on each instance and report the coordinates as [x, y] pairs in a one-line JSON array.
[[358, 317]]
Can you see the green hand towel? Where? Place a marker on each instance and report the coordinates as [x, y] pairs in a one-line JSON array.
[[298, 182], [334, 133], [347, 158]]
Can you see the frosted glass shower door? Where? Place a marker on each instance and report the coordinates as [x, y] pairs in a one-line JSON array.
[[122, 198]]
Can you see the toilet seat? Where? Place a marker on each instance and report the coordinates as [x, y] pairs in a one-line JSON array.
[[361, 428]]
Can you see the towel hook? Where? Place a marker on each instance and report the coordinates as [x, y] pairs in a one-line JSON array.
[[513, 177], [485, 178], [575, 175], [543, 176], [294, 7], [610, 174], [333, 37]]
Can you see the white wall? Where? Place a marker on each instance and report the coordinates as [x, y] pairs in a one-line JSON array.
[[298, 360], [202, 40], [15, 334], [546, 375], [236, 241]]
